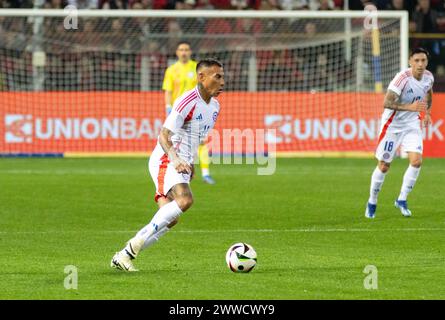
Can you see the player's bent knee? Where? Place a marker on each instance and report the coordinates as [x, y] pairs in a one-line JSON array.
[[416, 163], [184, 202], [384, 166], [173, 223]]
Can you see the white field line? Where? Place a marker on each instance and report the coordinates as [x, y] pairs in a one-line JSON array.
[[300, 171], [69, 172], [309, 230]]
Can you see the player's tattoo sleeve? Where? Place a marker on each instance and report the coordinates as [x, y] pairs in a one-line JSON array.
[[392, 101], [165, 141], [429, 100]]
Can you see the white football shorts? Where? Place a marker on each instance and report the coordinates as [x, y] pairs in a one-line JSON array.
[[164, 175], [410, 141]]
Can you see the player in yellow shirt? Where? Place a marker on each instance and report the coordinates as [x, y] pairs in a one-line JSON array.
[[181, 77]]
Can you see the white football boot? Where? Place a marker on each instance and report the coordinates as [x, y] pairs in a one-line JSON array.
[[403, 207], [123, 259]]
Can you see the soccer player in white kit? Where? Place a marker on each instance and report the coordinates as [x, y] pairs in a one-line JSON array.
[[171, 164], [409, 93]]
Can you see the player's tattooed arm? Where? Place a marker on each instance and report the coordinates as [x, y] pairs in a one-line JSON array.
[[167, 145], [429, 101], [392, 101]]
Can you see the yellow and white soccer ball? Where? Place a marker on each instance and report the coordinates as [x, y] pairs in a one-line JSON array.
[[241, 257]]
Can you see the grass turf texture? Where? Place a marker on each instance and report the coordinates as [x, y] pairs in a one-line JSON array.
[[306, 222]]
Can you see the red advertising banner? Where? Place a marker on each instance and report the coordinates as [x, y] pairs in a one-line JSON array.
[[117, 122]]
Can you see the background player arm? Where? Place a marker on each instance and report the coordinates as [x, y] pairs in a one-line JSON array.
[[168, 100], [167, 86], [392, 101], [167, 145]]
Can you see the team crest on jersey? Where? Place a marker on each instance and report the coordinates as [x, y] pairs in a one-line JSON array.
[[386, 155], [191, 74], [215, 116]]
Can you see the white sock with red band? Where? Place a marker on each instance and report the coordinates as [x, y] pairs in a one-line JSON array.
[[377, 179], [409, 180]]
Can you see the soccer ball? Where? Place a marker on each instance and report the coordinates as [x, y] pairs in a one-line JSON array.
[[241, 257]]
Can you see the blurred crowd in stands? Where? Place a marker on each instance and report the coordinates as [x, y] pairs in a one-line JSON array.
[[419, 10], [122, 57]]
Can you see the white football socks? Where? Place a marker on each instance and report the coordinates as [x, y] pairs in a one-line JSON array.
[[154, 238], [377, 179], [156, 228], [409, 180], [205, 172]]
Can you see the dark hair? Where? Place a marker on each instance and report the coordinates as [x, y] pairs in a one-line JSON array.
[[420, 50], [183, 42], [208, 63]]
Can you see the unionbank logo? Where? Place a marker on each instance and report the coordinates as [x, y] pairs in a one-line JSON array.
[[22, 128], [18, 128], [289, 128], [283, 128]]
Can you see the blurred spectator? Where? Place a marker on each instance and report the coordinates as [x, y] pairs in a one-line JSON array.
[[16, 4], [278, 72], [185, 4], [310, 29], [359, 4], [140, 4], [439, 78], [84, 4], [55, 4], [220, 4], [318, 75], [146, 4], [159, 4], [2, 33], [3, 81], [221, 25], [237, 68], [395, 5], [205, 5], [87, 34], [190, 25], [239, 4], [123, 72], [321, 5], [248, 26], [424, 19], [116, 25], [293, 4], [214, 27], [269, 5], [245, 4], [155, 62], [174, 35], [86, 71], [112, 4]]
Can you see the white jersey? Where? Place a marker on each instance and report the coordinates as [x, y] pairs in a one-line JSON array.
[[409, 90], [190, 120]]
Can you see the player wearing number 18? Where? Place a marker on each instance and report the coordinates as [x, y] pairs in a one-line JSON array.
[[409, 94]]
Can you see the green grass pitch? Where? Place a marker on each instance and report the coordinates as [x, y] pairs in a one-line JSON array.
[[306, 223]]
